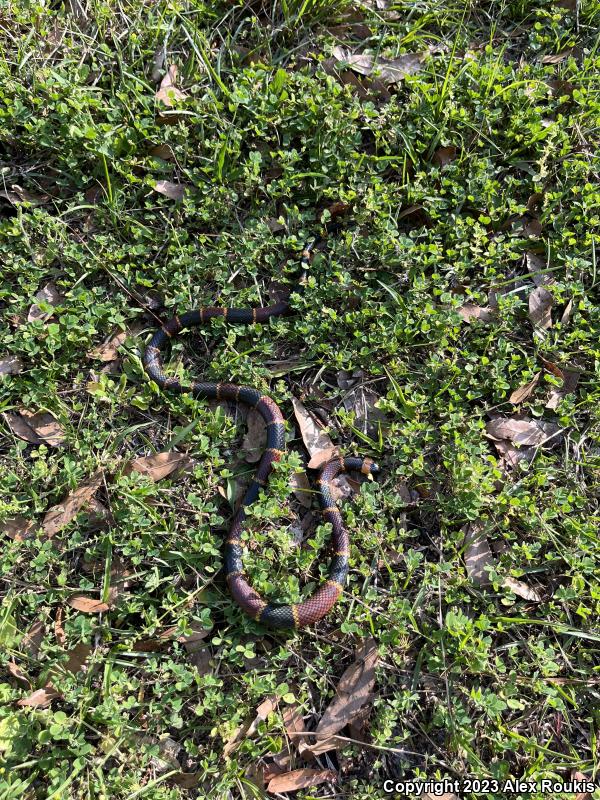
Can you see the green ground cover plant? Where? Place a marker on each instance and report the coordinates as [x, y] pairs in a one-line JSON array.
[[156, 157]]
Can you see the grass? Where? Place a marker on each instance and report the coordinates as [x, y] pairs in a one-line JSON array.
[[473, 680]]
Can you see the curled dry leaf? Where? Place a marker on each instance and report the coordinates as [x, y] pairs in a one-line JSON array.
[[162, 151], [521, 589], [318, 443], [250, 727], [256, 436], [523, 431], [570, 378], [42, 698], [478, 554], [390, 71], [523, 392], [168, 94], [32, 641], [48, 295], [38, 428], [538, 268], [470, 311], [540, 308], [301, 488], [556, 58], [159, 465], [17, 194], [10, 365], [300, 779], [62, 514], [353, 692], [108, 350], [174, 191], [444, 156], [87, 605], [18, 527]]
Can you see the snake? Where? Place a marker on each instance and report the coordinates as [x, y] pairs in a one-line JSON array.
[[273, 615]]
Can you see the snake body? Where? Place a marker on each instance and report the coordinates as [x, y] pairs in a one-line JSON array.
[[275, 615]]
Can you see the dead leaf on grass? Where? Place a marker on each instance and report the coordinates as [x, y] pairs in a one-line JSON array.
[[556, 58], [255, 440], [17, 195], [521, 589], [444, 156], [301, 488], [300, 779], [354, 691], [523, 431], [570, 378], [48, 295], [318, 443], [10, 365], [159, 465], [32, 641], [162, 151], [38, 428], [43, 697], [477, 554], [470, 311], [168, 94], [174, 191], [87, 605], [524, 392], [250, 727], [62, 514], [109, 349], [18, 527], [538, 267], [540, 308], [390, 71]]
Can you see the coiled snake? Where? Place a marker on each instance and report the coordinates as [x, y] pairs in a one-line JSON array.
[[273, 614]]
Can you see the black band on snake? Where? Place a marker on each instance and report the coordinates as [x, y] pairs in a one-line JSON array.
[[272, 614]]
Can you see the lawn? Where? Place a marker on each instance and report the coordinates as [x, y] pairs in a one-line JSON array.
[[161, 156]]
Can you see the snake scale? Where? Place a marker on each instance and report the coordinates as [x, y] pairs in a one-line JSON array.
[[275, 615]]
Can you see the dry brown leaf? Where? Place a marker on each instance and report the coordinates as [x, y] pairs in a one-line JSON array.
[[59, 631], [163, 151], [470, 311], [168, 94], [540, 308], [18, 527], [49, 295], [62, 514], [174, 191], [537, 268], [255, 439], [11, 365], [293, 720], [250, 727], [390, 71], [159, 465], [38, 428], [444, 156], [301, 488], [88, 605], [17, 673], [523, 392], [353, 692], [32, 641], [557, 57], [523, 431], [570, 378], [579, 776], [521, 589], [76, 660], [17, 195], [300, 779], [108, 350], [41, 698], [478, 554], [317, 442]]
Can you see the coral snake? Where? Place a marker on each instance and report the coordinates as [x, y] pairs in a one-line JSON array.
[[273, 614]]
